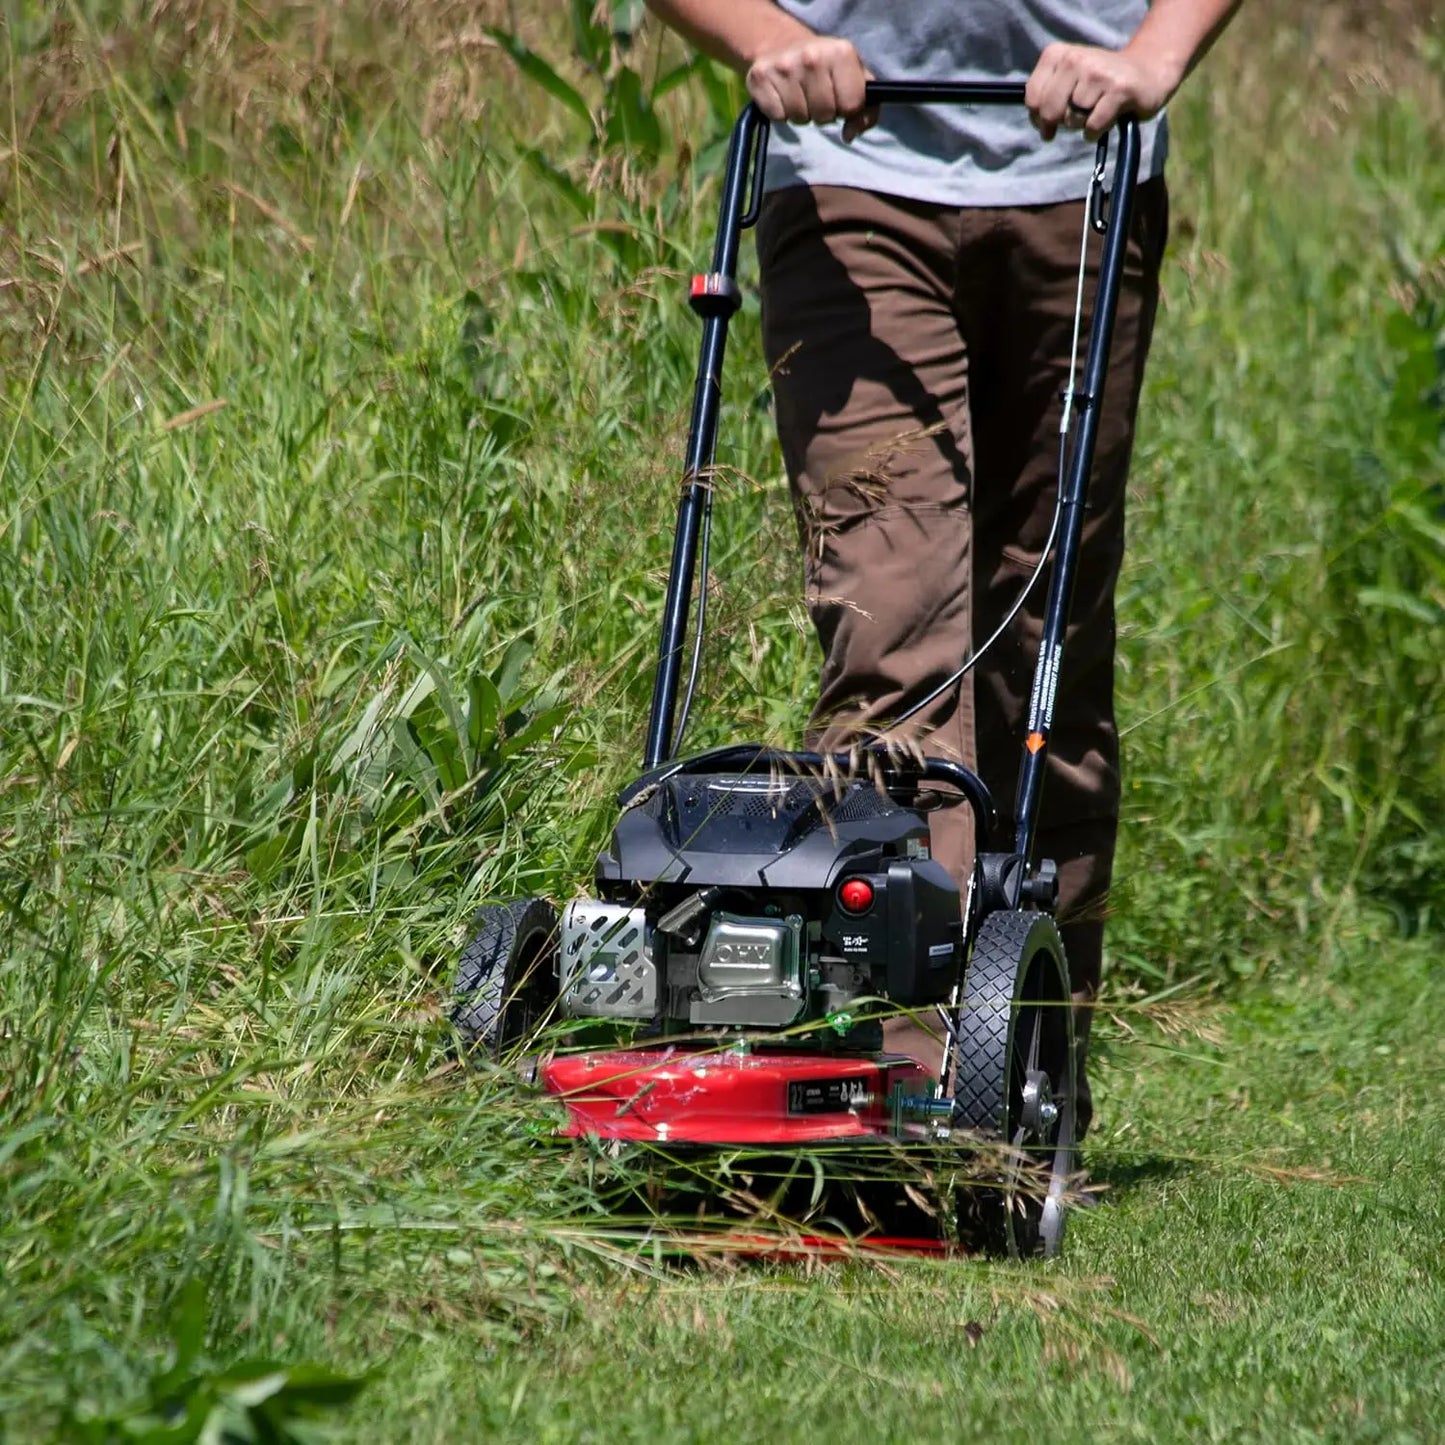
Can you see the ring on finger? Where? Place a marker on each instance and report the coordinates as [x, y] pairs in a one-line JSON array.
[[1075, 115]]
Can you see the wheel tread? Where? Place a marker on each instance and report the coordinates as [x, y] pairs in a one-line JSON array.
[[981, 1074], [1003, 950], [481, 994]]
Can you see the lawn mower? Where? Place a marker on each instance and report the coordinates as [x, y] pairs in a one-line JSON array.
[[757, 909]]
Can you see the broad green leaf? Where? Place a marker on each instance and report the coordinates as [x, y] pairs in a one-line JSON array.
[[593, 41], [417, 694], [446, 756], [188, 1323], [540, 73], [678, 75], [559, 181], [1416, 522], [303, 770], [631, 122], [509, 673], [310, 1386], [726, 95], [1392, 600], [362, 734], [523, 729], [250, 1384], [265, 859], [445, 699], [412, 762], [483, 713]]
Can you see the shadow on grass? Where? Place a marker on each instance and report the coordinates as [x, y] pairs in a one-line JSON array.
[[1114, 1176]]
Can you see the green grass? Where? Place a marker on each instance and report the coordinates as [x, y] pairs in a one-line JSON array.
[[342, 396]]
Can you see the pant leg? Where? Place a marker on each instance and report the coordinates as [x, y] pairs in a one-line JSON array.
[[1021, 356], [870, 378], [871, 385]]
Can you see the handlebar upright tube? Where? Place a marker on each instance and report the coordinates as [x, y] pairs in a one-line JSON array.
[[1076, 484], [716, 297]]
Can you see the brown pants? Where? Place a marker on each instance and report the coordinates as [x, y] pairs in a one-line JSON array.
[[918, 352]]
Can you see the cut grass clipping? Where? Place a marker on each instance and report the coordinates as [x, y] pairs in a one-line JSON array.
[[346, 375]]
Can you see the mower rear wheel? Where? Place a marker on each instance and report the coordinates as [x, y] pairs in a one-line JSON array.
[[1014, 1084], [506, 980]]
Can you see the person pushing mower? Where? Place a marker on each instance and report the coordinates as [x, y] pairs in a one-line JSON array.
[[919, 275]]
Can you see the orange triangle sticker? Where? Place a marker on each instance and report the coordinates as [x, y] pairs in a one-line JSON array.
[[1035, 742]]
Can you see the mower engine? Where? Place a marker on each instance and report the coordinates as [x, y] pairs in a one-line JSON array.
[[757, 902]]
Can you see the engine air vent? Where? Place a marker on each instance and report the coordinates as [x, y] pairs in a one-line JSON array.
[[863, 801]]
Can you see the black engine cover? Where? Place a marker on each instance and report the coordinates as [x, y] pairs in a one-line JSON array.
[[750, 831], [798, 835]]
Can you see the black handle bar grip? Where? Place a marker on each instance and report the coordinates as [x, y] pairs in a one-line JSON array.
[[944, 92]]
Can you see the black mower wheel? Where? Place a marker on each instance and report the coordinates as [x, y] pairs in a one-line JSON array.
[[1014, 1084], [506, 980]]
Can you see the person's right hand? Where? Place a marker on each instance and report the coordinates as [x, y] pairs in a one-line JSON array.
[[818, 80]]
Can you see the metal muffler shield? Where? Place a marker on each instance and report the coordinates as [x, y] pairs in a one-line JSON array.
[[606, 965], [749, 973], [746, 955]]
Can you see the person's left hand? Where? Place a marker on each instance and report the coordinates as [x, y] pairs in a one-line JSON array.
[[1085, 87]]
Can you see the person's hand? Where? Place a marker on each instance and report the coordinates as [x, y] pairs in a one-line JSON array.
[[1087, 88], [818, 80]]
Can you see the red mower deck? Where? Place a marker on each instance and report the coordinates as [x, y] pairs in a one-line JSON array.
[[681, 1096]]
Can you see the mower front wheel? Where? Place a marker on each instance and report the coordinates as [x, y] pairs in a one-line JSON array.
[[506, 980], [1014, 1084]]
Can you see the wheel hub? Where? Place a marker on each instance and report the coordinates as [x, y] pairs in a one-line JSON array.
[[1039, 1115]]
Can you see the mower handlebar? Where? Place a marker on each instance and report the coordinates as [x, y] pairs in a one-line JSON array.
[[715, 296], [944, 92]]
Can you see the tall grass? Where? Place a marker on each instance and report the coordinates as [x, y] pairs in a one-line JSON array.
[[345, 377], [1282, 681]]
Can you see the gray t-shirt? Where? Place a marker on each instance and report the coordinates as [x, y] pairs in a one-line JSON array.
[[956, 155]]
